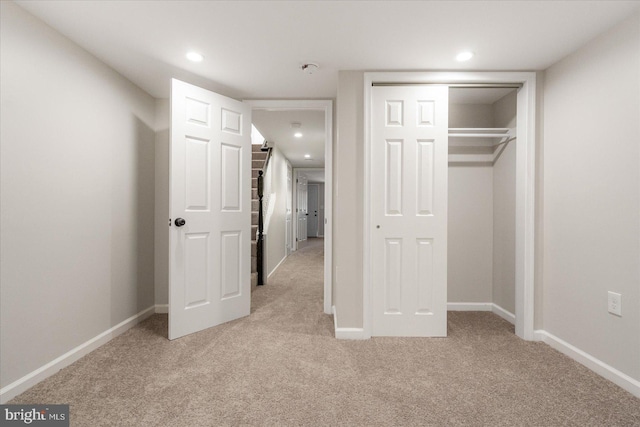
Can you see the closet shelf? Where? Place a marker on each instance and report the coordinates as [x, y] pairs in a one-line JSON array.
[[477, 145], [484, 136]]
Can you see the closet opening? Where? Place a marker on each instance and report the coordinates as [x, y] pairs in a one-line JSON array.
[[482, 200]]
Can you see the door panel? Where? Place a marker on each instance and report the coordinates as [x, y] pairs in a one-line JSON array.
[[301, 209], [409, 210], [288, 219], [312, 207], [210, 176]]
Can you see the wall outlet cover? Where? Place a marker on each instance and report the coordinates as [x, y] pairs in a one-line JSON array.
[[615, 303]]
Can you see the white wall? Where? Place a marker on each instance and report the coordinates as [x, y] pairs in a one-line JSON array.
[[348, 180], [504, 209], [592, 197], [470, 230], [275, 234], [470, 233], [470, 115], [162, 202], [77, 195]]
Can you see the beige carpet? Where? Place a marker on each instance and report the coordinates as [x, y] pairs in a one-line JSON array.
[[282, 366]]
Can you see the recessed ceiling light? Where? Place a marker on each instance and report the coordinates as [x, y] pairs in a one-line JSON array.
[[195, 57], [464, 56], [298, 135], [307, 156]]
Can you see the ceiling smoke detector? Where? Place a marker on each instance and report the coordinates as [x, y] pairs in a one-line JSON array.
[[309, 68]]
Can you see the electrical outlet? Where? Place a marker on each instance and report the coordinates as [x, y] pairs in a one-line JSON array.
[[615, 303]]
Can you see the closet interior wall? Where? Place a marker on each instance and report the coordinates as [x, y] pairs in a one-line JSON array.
[[481, 267]]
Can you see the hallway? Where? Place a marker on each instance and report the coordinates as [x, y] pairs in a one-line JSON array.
[[291, 300]]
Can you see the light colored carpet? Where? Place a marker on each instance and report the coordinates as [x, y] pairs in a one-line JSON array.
[[282, 366]]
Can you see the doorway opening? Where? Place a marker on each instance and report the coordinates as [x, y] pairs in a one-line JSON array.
[[309, 205], [481, 197], [300, 134]]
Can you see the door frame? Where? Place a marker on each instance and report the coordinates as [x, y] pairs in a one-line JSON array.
[[327, 107], [296, 177], [525, 181], [296, 172]]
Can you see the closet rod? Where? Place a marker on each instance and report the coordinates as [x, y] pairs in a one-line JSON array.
[[455, 85], [479, 135]]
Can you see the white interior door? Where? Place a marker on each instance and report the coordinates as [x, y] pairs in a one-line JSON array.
[[301, 209], [409, 210], [288, 216], [312, 210], [210, 209]]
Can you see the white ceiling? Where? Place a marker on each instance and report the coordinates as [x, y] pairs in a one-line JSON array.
[[275, 127], [253, 49], [313, 175]]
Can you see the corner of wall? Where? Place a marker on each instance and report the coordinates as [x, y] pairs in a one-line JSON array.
[[161, 208], [538, 318], [348, 198]]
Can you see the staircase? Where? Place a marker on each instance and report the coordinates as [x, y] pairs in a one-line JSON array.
[[258, 162]]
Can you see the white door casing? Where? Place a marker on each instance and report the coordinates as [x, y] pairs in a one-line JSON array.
[[210, 169], [409, 181]]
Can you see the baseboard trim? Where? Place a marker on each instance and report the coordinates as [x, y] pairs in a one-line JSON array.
[[276, 267], [469, 306], [162, 308], [506, 315], [482, 306], [596, 365], [26, 382], [346, 333]]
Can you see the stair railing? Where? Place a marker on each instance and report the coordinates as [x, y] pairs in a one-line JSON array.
[[260, 237]]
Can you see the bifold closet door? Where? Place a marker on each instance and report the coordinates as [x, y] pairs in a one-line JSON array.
[[409, 181]]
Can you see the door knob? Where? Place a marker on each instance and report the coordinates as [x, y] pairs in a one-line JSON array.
[[179, 222]]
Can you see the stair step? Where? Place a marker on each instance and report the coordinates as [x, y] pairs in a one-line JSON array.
[[259, 156], [254, 192], [254, 173], [254, 281], [254, 205], [254, 218], [256, 148], [257, 163], [254, 248]]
